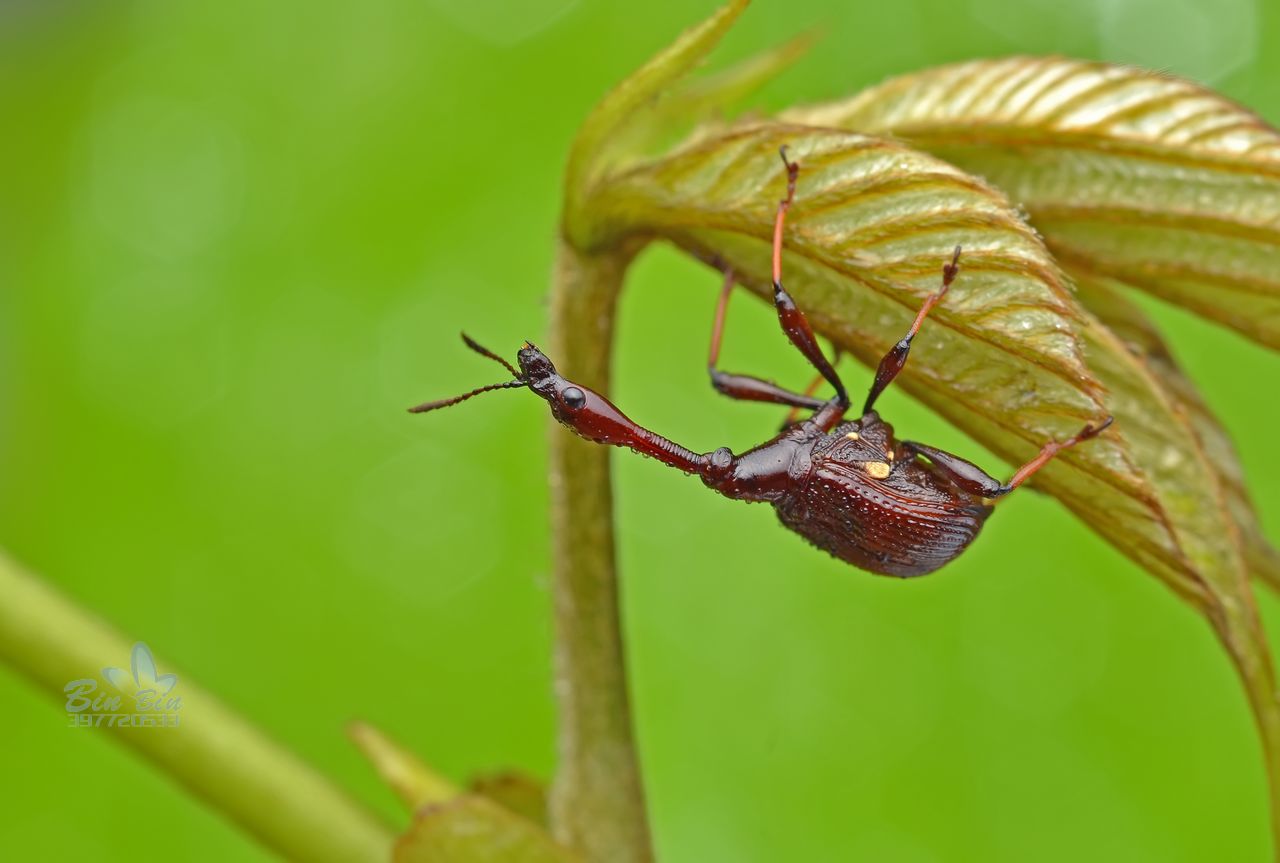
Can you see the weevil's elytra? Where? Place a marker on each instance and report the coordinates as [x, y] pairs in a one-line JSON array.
[[848, 487], [899, 518]]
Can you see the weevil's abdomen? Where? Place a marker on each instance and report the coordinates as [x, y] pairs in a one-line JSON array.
[[885, 515]]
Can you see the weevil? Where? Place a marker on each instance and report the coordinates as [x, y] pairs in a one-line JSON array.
[[849, 487]]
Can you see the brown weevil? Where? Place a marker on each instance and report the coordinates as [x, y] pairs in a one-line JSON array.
[[848, 487]]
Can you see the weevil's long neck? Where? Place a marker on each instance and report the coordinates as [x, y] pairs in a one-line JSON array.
[[599, 421], [666, 451]]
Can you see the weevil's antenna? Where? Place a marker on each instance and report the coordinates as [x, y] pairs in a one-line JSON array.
[[444, 403], [485, 352]]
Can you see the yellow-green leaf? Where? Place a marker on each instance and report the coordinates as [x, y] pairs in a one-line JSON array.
[[1132, 175], [621, 107], [1010, 355], [705, 99], [712, 93], [1004, 356], [1140, 336]]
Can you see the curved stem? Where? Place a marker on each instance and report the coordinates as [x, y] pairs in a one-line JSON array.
[[597, 800], [214, 753]]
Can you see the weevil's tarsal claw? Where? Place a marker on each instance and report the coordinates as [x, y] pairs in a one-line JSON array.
[[950, 270], [792, 167], [1089, 432]]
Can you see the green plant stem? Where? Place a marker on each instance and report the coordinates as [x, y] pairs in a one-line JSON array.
[[596, 804], [597, 801], [214, 753]]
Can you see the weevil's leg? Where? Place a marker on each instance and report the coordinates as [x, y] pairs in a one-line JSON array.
[[964, 474], [897, 356], [1051, 449], [750, 389], [975, 480], [746, 387], [792, 319]]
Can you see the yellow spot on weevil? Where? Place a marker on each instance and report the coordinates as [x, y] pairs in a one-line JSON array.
[[878, 469], [852, 435]]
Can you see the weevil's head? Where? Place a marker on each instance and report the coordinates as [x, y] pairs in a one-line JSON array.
[[535, 372], [565, 397], [536, 369]]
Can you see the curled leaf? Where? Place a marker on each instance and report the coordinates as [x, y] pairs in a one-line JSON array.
[[711, 93], [1132, 178], [621, 107], [1009, 356], [873, 222], [1140, 336], [1131, 175], [705, 99]]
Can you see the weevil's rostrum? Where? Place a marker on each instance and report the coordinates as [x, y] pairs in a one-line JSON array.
[[849, 487]]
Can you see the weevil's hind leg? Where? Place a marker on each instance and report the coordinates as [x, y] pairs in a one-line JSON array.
[[897, 356], [964, 474], [973, 479], [746, 387], [793, 321], [1051, 449]]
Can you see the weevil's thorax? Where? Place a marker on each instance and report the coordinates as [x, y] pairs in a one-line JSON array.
[[864, 441], [768, 473], [779, 469]]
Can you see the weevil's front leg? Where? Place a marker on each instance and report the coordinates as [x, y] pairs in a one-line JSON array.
[[793, 321], [894, 361], [747, 387], [969, 477]]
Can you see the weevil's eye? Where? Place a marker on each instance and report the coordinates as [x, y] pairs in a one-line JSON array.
[[573, 398]]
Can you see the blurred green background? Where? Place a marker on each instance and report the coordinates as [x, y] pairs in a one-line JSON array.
[[237, 239]]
